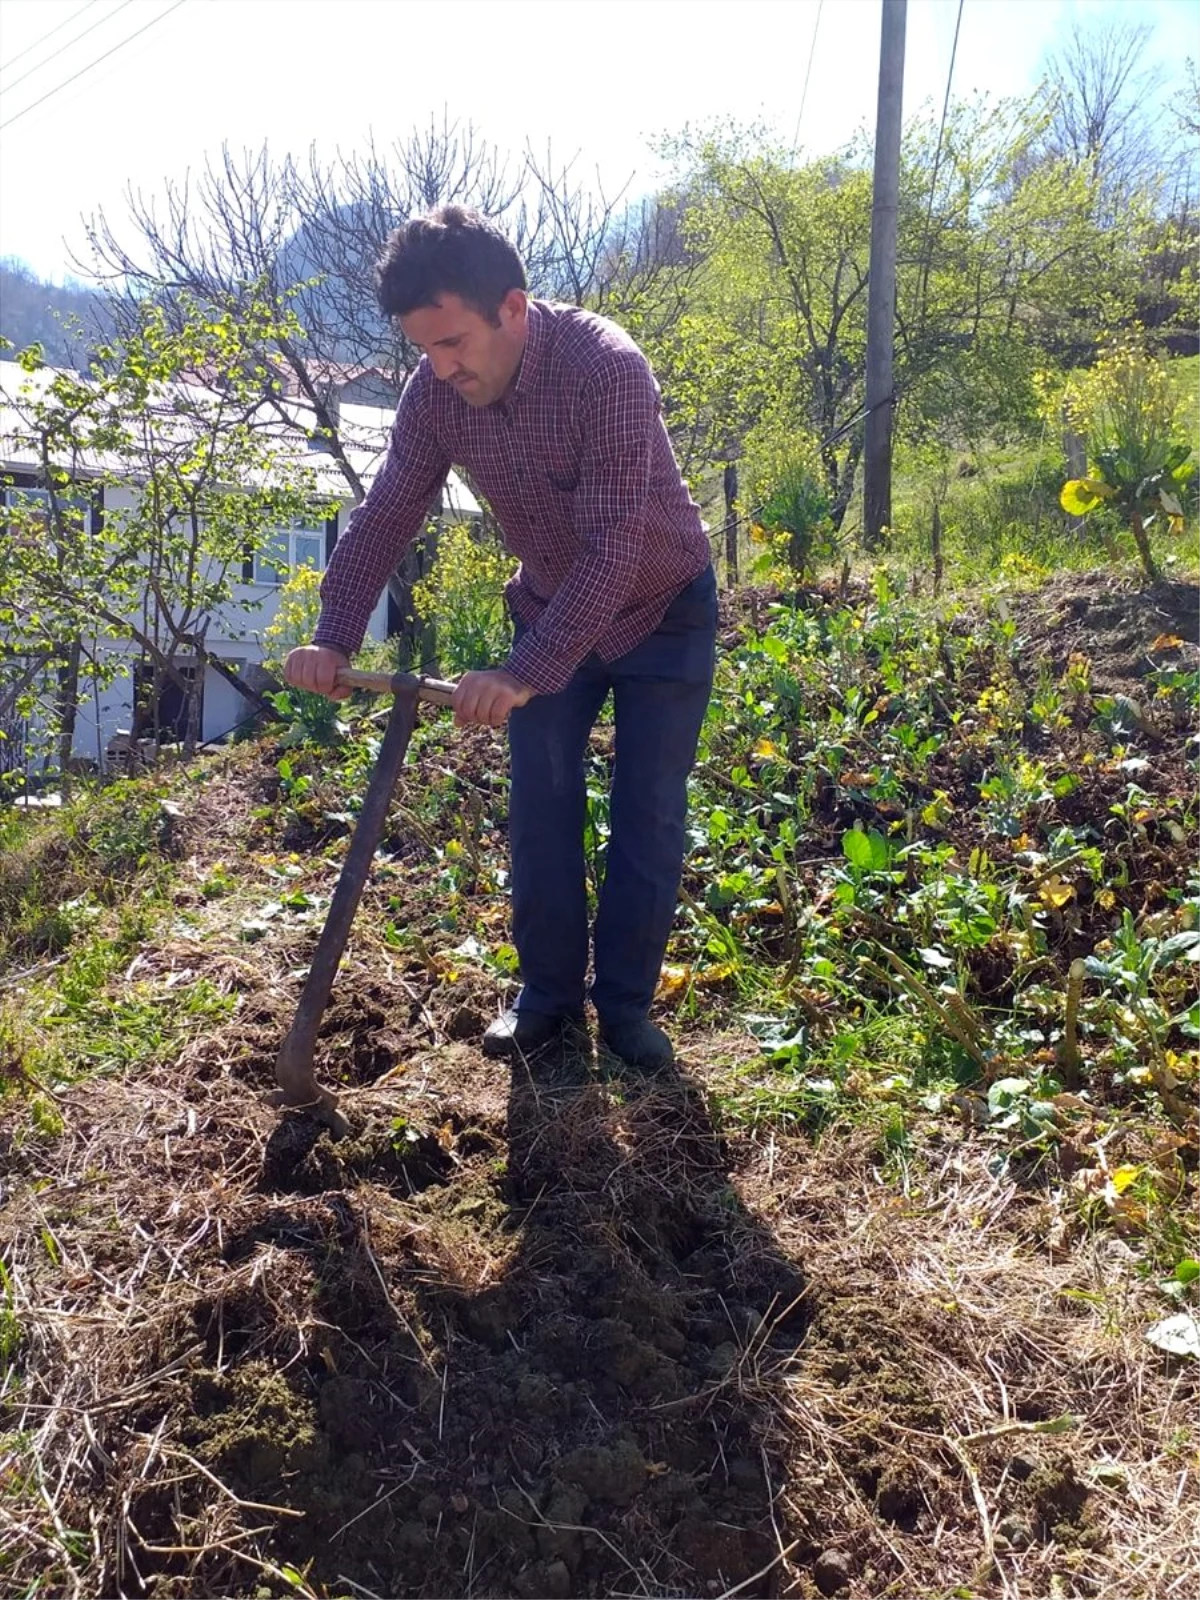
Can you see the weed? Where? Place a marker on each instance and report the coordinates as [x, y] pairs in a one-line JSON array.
[[11, 1332]]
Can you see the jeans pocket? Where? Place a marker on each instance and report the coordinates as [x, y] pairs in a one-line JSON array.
[[694, 607]]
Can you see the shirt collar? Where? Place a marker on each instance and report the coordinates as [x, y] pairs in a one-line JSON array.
[[536, 328]]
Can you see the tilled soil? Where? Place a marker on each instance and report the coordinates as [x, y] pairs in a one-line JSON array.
[[549, 1330]]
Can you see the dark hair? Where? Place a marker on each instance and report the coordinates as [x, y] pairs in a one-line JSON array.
[[449, 251]]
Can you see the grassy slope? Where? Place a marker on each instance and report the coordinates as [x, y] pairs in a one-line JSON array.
[[999, 506]]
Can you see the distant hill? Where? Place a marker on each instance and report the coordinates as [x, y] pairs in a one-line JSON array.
[[34, 312], [339, 308]]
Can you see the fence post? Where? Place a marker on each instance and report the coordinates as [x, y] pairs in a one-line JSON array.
[[731, 526]]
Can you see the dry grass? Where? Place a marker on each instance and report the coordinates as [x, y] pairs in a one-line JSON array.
[[1024, 1352], [918, 1340]]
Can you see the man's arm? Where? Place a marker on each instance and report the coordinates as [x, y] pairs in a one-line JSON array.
[[381, 528], [620, 413]]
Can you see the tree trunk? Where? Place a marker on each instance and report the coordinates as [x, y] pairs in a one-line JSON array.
[[67, 711], [731, 527], [195, 700], [936, 539], [416, 640]]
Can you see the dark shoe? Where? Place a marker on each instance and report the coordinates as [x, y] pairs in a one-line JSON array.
[[639, 1044], [520, 1033]]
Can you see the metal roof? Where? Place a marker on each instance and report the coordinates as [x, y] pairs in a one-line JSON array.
[[288, 422]]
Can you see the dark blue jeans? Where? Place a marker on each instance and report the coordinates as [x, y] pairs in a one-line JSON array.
[[660, 692]]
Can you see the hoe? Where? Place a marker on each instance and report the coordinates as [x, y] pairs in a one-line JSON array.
[[298, 1086]]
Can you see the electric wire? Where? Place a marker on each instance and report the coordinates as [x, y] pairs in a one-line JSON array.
[[54, 55], [49, 34], [937, 161], [129, 38], [807, 74]]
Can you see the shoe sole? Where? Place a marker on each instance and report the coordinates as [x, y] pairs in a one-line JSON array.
[[568, 1033], [641, 1063]]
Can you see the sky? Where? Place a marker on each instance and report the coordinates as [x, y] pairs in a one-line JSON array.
[[593, 80]]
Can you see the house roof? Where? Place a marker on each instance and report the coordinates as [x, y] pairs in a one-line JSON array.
[[337, 376], [363, 431]]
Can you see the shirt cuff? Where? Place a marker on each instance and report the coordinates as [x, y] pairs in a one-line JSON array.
[[530, 665], [334, 637]]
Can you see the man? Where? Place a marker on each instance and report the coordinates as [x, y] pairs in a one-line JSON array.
[[556, 415]]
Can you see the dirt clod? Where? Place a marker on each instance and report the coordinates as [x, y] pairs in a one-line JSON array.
[[614, 1475], [832, 1571]]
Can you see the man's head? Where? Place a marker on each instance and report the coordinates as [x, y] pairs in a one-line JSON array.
[[457, 288]]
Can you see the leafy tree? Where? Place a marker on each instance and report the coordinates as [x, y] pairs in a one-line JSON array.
[[996, 261], [173, 408]]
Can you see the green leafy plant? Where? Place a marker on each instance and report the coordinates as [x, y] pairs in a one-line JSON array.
[[463, 599], [12, 1334], [1128, 409], [310, 717], [1146, 999], [795, 515]]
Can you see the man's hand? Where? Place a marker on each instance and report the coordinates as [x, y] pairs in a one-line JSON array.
[[486, 698], [315, 667]]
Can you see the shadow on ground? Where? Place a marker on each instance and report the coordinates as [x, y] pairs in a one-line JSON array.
[[541, 1358]]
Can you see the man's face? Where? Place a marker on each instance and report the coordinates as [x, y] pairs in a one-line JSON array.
[[465, 349]]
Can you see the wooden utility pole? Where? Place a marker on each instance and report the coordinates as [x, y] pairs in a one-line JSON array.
[[881, 302]]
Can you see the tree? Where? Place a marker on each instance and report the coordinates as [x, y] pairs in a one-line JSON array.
[[999, 261], [1104, 113], [173, 407]]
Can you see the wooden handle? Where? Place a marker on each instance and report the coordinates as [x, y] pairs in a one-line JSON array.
[[430, 690]]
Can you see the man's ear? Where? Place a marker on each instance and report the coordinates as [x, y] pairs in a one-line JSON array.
[[514, 308]]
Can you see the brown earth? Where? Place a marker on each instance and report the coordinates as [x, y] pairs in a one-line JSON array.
[[1115, 621], [555, 1332]]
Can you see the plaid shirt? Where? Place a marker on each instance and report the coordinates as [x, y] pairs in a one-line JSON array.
[[576, 464]]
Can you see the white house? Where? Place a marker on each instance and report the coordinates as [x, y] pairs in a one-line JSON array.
[[235, 633]]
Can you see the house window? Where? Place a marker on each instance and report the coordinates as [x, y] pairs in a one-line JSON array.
[[301, 545], [160, 709], [33, 502]]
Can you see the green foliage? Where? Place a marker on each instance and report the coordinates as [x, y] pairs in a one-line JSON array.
[[94, 1022], [1002, 263], [795, 515], [312, 717], [463, 598], [12, 1334], [899, 932], [1128, 408], [297, 612]]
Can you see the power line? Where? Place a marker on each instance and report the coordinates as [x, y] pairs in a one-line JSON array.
[[807, 74], [21, 54], [54, 55], [129, 38]]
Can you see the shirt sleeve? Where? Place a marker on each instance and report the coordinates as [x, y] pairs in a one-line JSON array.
[[618, 414], [387, 521]]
